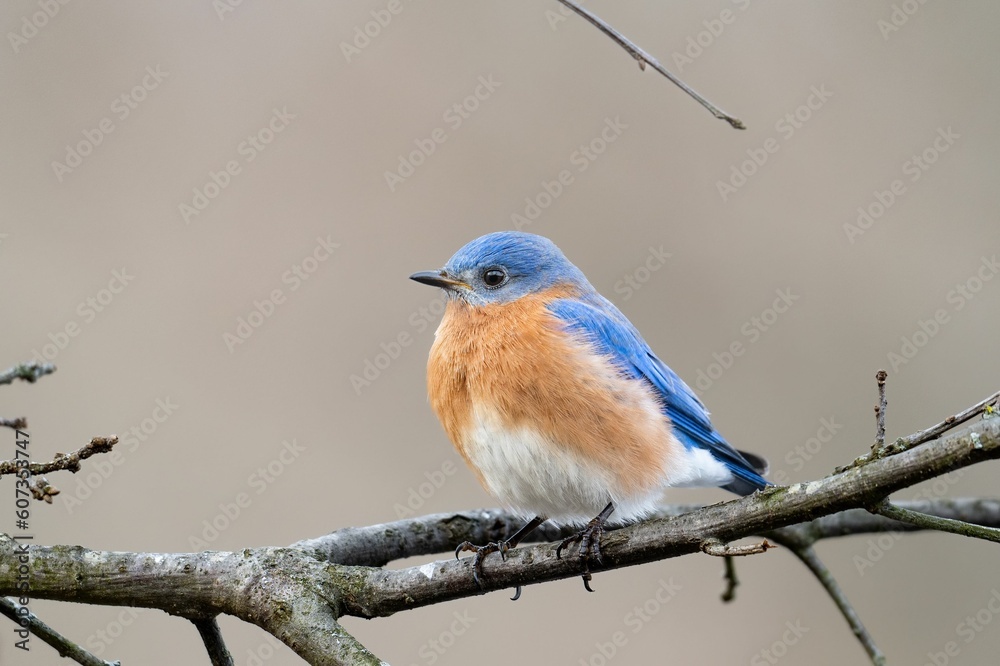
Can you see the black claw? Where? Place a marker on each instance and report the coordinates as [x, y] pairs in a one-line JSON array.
[[498, 546], [590, 548], [481, 552]]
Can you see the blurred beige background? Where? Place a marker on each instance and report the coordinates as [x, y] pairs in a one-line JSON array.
[[94, 183]]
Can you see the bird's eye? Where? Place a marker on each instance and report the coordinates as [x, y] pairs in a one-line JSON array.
[[494, 277]]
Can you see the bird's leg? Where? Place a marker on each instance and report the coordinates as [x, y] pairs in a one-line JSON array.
[[497, 547], [590, 542]]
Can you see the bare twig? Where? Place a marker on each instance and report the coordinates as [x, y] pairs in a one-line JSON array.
[[20, 423], [64, 646], [29, 372], [906, 443], [810, 559], [717, 548], [728, 552], [732, 582], [212, 636], [929, 522], [67, 461], [644, 58], [880, 413]]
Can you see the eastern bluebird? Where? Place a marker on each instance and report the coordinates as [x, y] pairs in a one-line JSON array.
[[557, 403]]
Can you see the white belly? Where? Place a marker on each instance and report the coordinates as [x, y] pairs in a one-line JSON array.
[[535, 476]]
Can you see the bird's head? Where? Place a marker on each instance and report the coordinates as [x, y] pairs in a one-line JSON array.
[[502, 267]]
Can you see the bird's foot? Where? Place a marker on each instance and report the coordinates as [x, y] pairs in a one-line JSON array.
[[497, 547], [590, 547], [481, 552]]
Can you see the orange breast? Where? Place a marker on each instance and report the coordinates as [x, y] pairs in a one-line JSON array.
[[518, 359]]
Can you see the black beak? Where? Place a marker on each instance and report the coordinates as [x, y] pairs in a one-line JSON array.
[[438, 278]]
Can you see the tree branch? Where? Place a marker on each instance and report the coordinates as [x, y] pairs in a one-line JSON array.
[[63, 461], [808, 557], [211, 635], [383, 592], [928, 522], [732, 580], [64, 646], [200, 585], [298, 593], [29, 372], [716, 548], [880, 377], [281, 590], [988, 406], [636, 52], [20, 423], [377, 545]]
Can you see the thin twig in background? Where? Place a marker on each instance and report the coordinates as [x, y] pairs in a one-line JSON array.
[[934, 432], [879, 444], [816, 566], [20, 423], [922, 436], [732, 582], [29, 372], [211, 635], [922, 520], [67, 461], [63, 645], [717, 548], [644, 58]]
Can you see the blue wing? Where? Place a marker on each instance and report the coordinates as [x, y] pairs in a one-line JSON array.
[[601, 323]]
